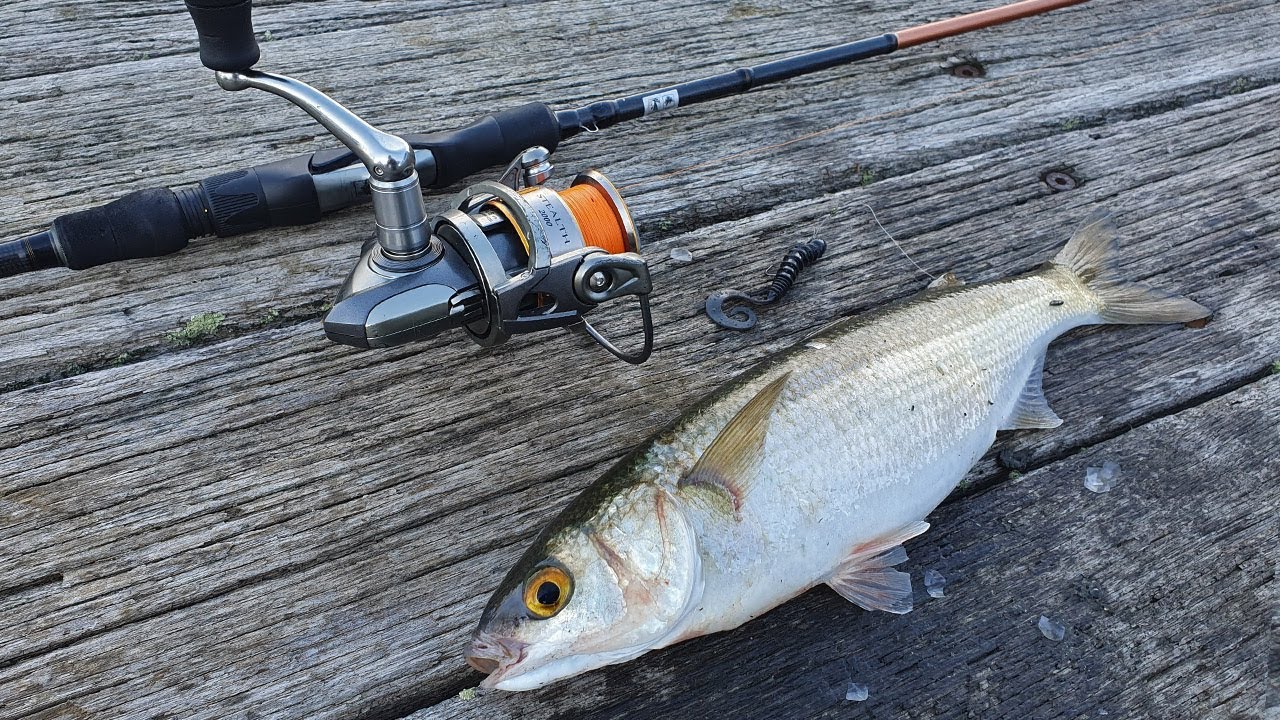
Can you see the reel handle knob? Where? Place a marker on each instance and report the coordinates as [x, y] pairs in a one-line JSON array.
[[225, 28]]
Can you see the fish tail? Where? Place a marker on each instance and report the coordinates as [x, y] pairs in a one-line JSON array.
[[1091, 254]]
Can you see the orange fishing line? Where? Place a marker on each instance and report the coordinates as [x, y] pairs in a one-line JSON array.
[[599, 219]]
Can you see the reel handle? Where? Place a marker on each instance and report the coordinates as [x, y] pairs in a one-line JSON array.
[[225, 28], [228, 47]]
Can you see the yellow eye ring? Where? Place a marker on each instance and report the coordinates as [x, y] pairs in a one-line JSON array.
[[547, 590]]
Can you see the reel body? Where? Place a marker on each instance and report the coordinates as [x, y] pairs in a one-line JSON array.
[[510, 256]]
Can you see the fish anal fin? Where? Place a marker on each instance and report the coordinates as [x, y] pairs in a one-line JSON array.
[[730, 460], [866, 576], [1032, 411]]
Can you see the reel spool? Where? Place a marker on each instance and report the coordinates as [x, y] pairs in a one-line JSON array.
[[536, 258]]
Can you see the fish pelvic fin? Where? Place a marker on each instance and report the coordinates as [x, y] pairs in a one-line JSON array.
[[866, 576], [1032, 411], [1091, 254], [730, 460]]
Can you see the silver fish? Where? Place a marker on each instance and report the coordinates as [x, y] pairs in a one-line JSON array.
[[813, 468]]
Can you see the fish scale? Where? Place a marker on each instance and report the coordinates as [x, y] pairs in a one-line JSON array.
[[812, 468]]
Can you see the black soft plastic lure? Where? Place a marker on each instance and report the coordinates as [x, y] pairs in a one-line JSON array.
[[744, 318]]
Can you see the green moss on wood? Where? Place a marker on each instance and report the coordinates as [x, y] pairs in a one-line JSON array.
[[200, 328]]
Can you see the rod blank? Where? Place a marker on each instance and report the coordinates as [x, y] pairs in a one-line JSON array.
[[978, 20]]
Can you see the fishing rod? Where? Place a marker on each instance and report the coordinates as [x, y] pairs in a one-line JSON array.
[[508, 256]]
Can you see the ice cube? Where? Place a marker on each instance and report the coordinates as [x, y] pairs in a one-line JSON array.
[[856, 692], [1096, 479], [681, 255], [934, 583], [1110, 472], [1050, 629]]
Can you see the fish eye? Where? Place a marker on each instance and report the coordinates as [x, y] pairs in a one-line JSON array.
[[547, 590]]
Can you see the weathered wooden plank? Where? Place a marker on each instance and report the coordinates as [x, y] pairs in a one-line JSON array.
[[1165, 586], [1110, 61], [306, 573], [275, 525], [78, 34]]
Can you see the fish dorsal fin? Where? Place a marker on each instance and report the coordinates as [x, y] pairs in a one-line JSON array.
[[866, 576], [1032, 411], [730, 459], [945, 280]]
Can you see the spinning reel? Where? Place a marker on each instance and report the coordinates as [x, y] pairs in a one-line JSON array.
[[510, 256]]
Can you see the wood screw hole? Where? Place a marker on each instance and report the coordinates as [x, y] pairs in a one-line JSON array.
[[968, 70], [1059, 181]]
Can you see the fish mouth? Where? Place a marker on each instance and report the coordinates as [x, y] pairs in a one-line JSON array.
[[494, 655]]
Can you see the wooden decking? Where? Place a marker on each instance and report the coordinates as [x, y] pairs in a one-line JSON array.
[[260, 524]]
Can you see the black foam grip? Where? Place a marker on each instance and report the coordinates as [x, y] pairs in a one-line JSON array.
[[492, 140], [225, 28], [141, 224]]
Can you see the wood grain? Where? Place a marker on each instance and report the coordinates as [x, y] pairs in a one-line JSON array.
[[1165, 586], [270, 526], [75, 137]]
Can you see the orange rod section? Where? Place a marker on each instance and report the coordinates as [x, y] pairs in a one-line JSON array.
[[976, 21]]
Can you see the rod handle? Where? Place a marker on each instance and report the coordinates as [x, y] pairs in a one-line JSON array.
[[454, 154], [225, 28], [492, 140], [146, 223], [159, 221]]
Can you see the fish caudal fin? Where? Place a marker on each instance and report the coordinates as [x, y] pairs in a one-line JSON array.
[[867, 578], [1091, 255]]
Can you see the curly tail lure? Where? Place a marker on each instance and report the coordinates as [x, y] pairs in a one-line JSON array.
[[744, 318]]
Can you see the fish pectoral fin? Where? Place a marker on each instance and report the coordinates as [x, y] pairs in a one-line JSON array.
[[730, 459], [1032, 410], [867, 578], [877, 589]]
